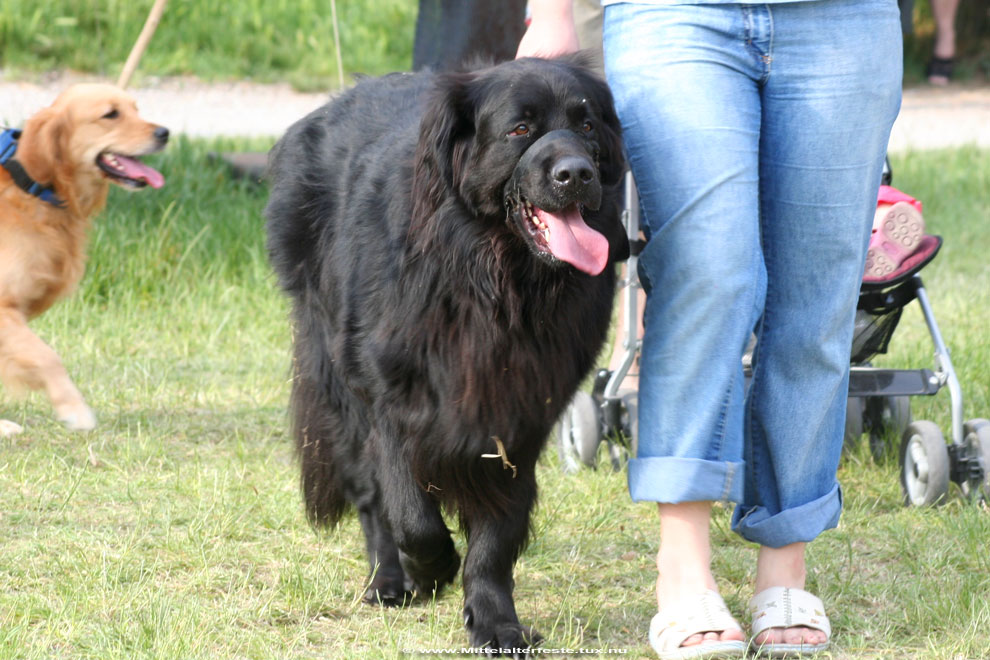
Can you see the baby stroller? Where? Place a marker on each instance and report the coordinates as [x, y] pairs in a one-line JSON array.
[[609, 413], [879, 399]]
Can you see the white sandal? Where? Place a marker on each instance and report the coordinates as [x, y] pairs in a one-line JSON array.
[[8, 428], [706, 612], [781, 607]]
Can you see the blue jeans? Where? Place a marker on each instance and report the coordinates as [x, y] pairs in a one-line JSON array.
[[756, 135]]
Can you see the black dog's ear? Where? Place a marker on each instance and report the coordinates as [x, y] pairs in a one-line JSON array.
[[612, 162], [618, 244], [608, 221], [448, 120], [611, 158]]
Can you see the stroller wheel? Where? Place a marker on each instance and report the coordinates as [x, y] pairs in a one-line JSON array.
[[977, 444], [924, 465], [579, 433], [885, 417]]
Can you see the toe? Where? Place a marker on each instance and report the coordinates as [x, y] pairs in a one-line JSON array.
[[693, 640], [729, 635], [797, 636], [793, 635], [810, 636], [765, 637], [816, 637]]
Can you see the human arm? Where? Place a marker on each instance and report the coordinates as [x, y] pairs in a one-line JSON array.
[[551, 30]]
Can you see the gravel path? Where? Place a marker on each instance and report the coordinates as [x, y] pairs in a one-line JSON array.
[[185, 105], [930, 117], [934, 117]]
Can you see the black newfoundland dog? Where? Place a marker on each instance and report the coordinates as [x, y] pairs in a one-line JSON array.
[[448, 243]]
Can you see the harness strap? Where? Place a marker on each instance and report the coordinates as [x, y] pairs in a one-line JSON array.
[[8, 147]]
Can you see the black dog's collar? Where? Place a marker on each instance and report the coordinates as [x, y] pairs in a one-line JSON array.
[[8, 147]]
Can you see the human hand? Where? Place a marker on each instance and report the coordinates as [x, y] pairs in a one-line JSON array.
[[551, 30]]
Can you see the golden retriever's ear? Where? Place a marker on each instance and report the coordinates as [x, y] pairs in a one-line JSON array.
[[43, 144]]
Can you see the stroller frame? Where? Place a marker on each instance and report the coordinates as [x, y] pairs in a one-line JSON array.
[[878, 400]]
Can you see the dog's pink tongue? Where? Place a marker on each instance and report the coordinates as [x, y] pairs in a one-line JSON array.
[[135, 169], [573, 241]]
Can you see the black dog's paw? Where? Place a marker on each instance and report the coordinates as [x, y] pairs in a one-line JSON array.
[[389, 587], [388, 599], [433, 573], [387, 593], [506, 639]]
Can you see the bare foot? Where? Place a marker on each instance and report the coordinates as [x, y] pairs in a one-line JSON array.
[[784, 567], [798, 636], [684, 563]]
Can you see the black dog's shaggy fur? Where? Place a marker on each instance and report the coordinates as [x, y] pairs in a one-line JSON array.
[[447, 300]]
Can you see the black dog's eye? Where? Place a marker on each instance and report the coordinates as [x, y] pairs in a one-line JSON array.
[[587, 127], [113, 114], [521, 129]]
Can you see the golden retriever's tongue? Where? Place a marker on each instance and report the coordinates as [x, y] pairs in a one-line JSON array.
[[135, 169], [573, 241]]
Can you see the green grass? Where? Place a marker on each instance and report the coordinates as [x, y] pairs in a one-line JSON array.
[[281, 40], [175, 530], [265, 40]]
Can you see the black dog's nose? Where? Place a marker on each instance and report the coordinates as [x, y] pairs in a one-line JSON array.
[[161, 134], [573, 171]]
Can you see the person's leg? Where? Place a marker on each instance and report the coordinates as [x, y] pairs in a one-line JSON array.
[[690, 115], [684, 562], [907, 15], [830, 94], [694, 157], [588, 21], [784, 567], [451, 33], [944, 14], [620, 346]]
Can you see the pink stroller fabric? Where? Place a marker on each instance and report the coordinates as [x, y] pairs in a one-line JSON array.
[[921, 254]]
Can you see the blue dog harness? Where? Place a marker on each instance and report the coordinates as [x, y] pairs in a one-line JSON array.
[[8, 147]]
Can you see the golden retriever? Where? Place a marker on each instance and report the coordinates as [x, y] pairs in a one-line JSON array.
[[71, 151]]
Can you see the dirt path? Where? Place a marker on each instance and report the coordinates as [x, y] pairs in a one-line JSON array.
[[934, 117], [185, 105], [930, 117]]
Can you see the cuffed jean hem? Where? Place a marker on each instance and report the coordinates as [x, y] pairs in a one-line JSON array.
[[674, 480], [799, 524]]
